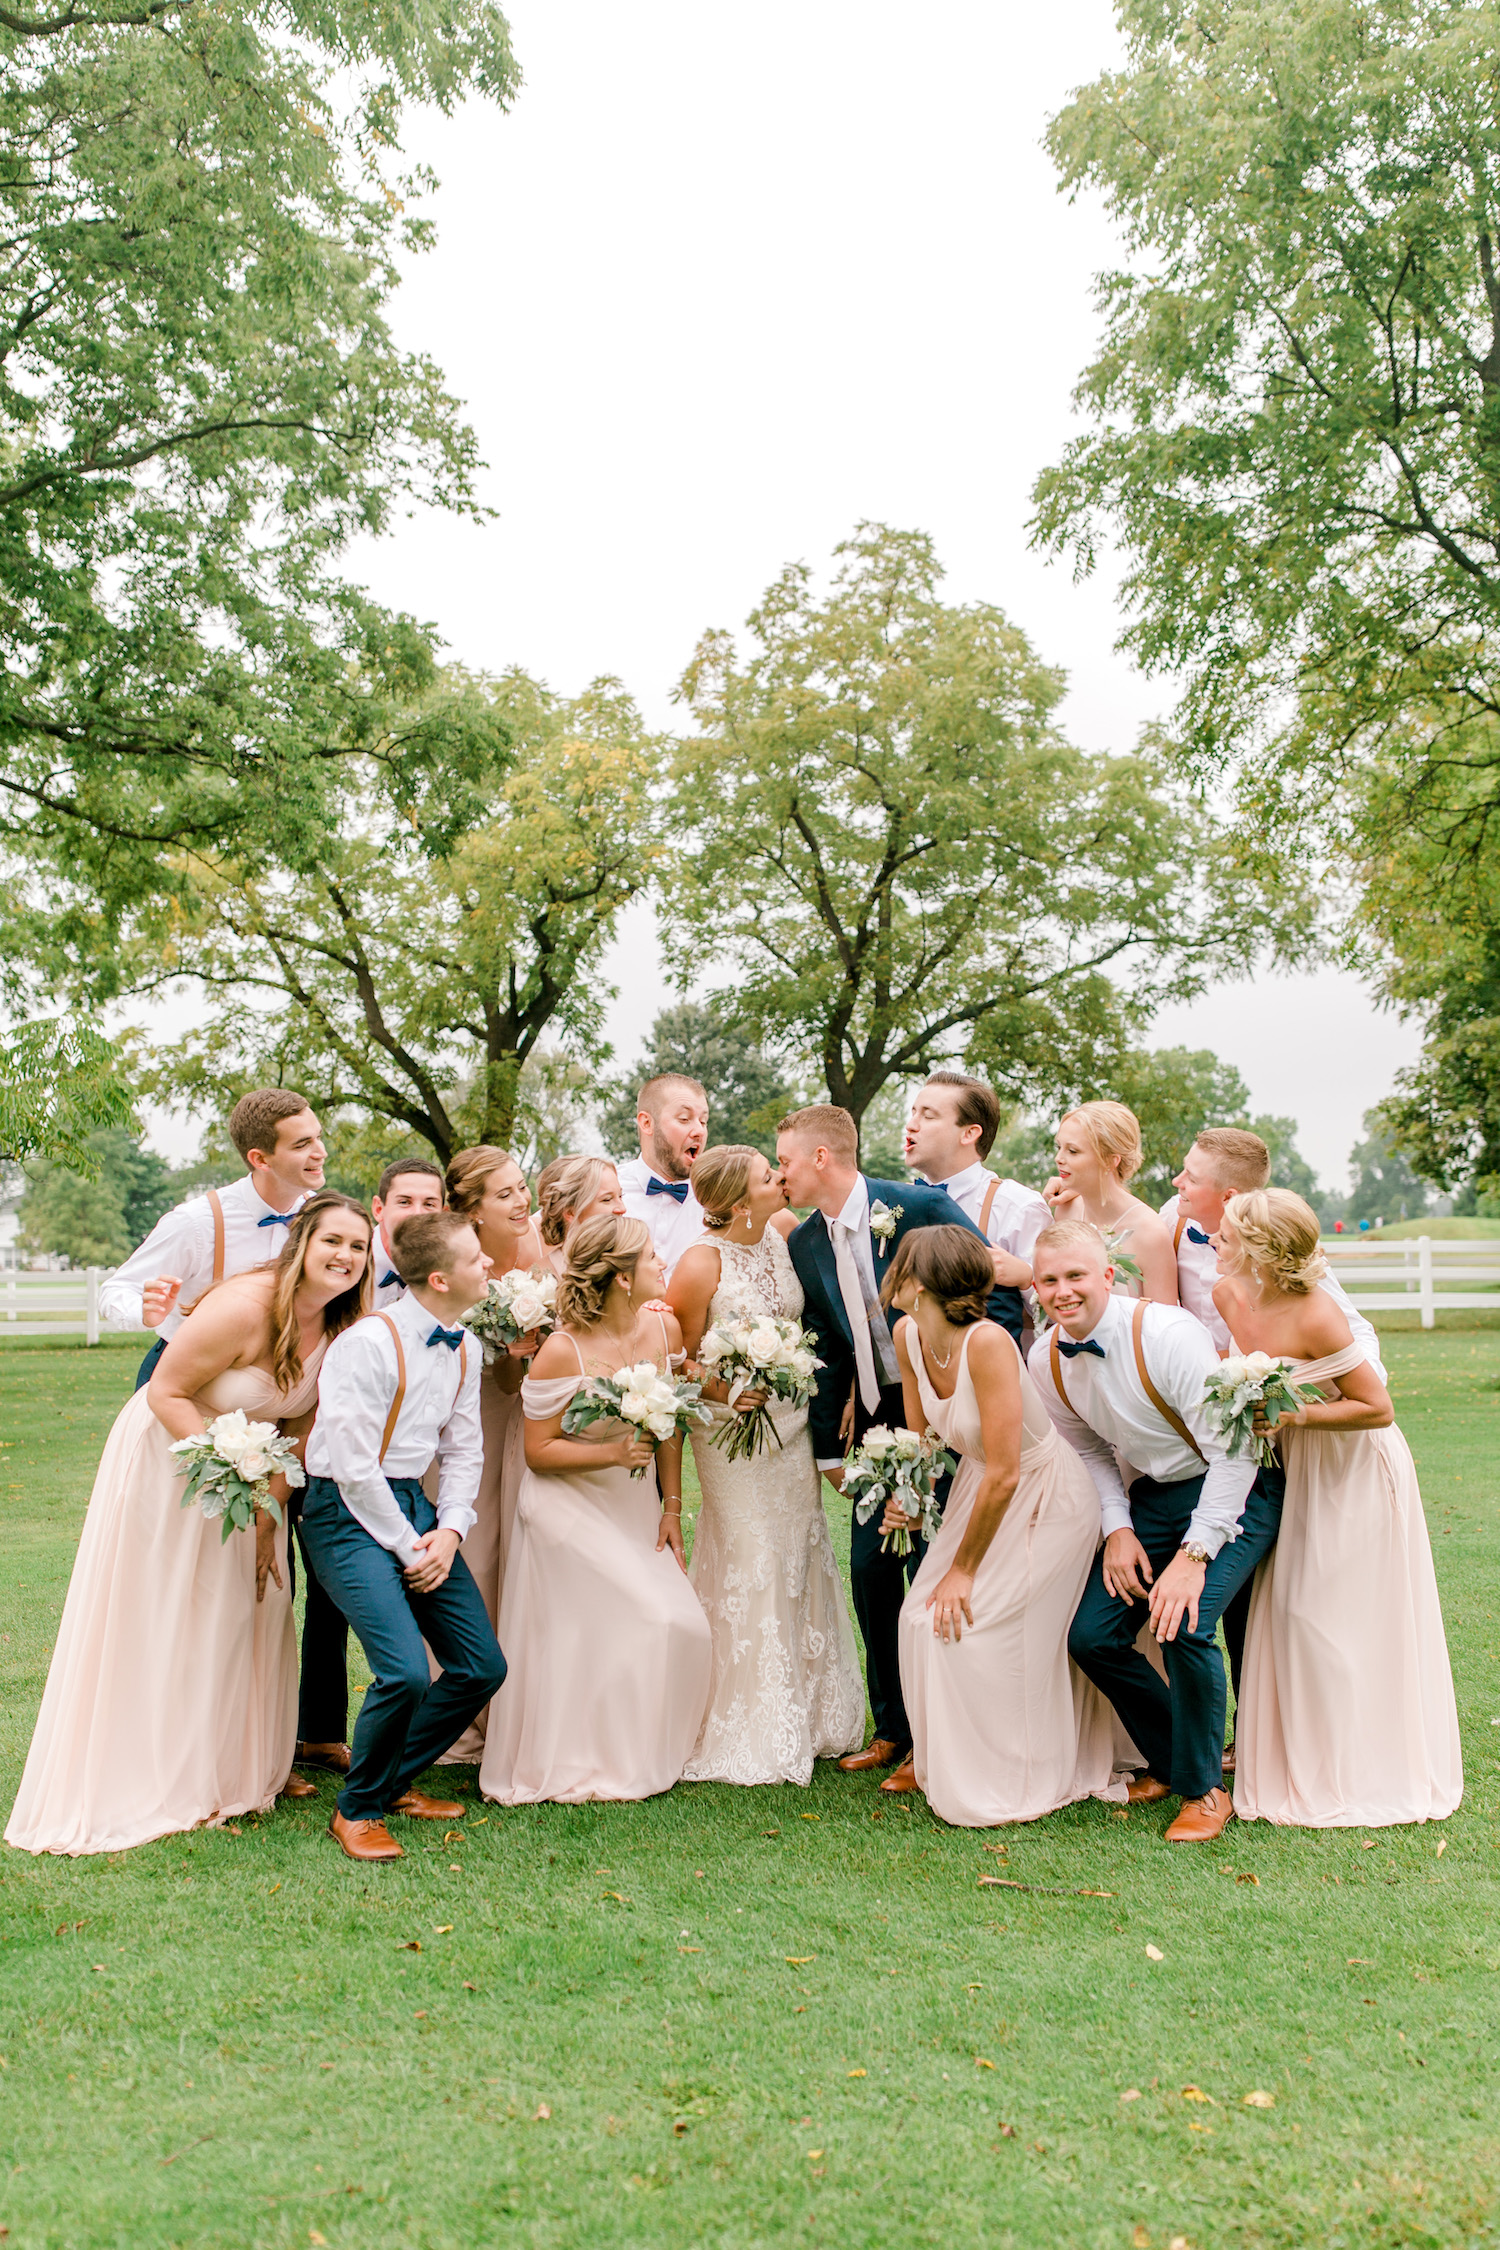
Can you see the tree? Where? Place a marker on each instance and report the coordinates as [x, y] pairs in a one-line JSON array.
[[408, 983], [1290, 1168], [97, 1218], [1175, 1092], [200, 401], [1385, 1186], [884, 834], [1296, 439], [59, 1083], [747, 1093]]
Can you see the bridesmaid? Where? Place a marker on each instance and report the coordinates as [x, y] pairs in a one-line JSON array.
[[487, 1186], [570, 1189], [1098, 1152], [1347, 1718], [1003, 1726], [609, 1649], [172, 1697]]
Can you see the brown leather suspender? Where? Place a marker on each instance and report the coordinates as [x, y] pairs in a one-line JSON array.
[[1168, 1414], [216, 1213], [1177, 1231], [399, 1400], [984, 1216]]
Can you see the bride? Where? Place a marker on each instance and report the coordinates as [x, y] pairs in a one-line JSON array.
[[786, 1681]]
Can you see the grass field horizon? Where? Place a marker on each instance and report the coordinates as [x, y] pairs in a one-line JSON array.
[[743, 2017]]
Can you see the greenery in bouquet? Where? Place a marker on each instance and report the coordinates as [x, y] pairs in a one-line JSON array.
[[661, 1405], [758, 1353], [1239, 1385], [514, 1305], [229, 1466], [901, 1466]]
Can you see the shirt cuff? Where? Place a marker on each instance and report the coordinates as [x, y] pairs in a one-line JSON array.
[[1114, 1515], [1210, 1536], [456, 1517], [836, 1463]]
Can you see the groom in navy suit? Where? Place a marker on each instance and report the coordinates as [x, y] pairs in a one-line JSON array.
[[841, 1254]]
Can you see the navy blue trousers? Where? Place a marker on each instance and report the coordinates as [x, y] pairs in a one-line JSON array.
[[407, 1720], [879, 1582], [147, 1367], [1178, 1727]]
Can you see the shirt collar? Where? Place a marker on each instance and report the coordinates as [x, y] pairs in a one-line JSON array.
[[857, 1210], [971, 1176]]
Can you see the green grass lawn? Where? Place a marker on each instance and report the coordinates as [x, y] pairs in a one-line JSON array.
[[740, 2017]]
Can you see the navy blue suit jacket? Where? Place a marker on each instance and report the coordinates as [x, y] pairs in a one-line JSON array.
[[812, 1256]]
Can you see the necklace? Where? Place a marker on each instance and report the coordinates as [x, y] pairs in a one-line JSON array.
[[932, 1355]]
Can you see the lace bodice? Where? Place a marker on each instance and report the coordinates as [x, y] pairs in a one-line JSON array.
[[758, 1278]]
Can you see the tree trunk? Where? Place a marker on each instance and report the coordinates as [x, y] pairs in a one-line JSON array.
[[502, 1079]]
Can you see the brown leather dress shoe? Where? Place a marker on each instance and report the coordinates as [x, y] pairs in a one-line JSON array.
[[364, 1839], [295, 1786], [330, 1757], [1229, 1759], [1202, 1818], [1146, 1790], [879, 1753], [905, 1777], [417, 1807]]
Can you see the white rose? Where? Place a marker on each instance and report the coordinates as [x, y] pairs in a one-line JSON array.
[[642, 1376], [764, 1343], [713, 1348], [635, 1406], [661, 1426], [908, 1445], [254, 1465], [1259, 1364], [804, 1366], [1232, 1372], [877, 1443]]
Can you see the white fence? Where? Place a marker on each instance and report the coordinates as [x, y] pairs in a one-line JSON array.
[[1418, 1275], [25, 1293]]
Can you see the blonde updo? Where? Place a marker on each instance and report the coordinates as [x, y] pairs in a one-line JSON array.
[[598, 1251], [721, 1178], [1277, 1241], [470, 1172], [567, 1184], [1114, 1133]]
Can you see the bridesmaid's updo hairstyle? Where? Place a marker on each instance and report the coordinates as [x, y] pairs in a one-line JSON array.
[[950, 1263], [721, 1178], [1278, 1241], [286, 1275], [568, 1183], [471, 1172], [598, 1251], [1114, 1132]]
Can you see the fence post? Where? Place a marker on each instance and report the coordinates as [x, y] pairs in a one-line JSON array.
[[91, 1307], [1424, 1268]]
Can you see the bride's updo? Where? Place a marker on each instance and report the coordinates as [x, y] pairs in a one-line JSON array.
[[1277, 1240], [598, 1251], [568, 1183], [721, 1178]]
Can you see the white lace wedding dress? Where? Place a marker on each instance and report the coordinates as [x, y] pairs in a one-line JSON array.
[[787, 1686]]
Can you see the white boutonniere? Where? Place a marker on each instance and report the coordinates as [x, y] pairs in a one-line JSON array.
[[883, 1223]]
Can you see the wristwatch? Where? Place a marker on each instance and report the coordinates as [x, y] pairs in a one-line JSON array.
[[1195, 1551]]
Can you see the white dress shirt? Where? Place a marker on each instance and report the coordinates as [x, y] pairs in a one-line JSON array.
[[1198, 1270], [439, 1416], [182, 1243], [675, 1226], [1017, 1214], [1108, 1408]]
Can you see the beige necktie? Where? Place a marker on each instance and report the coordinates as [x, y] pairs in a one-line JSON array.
[[862, 1317]]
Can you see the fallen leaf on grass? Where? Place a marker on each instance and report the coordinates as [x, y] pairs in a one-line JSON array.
[[480, 1823], [271, 1893], [453, 1835], [1369, 1844], [1258, 2100], [1131, 2094], [798, 1960], [1195, 2127], [234, 1831], [982, 2062], [442, 1929], [1007, 2132], [1140, 2240], [679, 2125], [690, 1949], [1040, 2147], [1179, 2242], [1196, 2094], [813, 2154], [1255, 1879], [617, 1895], [542, 2114], [314, 2236], [1042, 1890], [471, 1988], [1155, 1953], [412, 1945], [1442, 1847], [1357, 1961], [859, 2074], [810, 1816]]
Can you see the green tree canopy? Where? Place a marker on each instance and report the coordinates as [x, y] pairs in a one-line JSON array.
[[61, 1082], [884, 835], [1175, 1092], [1385, 1186], [746, 1091]]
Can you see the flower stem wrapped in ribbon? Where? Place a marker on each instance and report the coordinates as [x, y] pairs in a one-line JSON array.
[[1233, 1391], [513, 1305], [758, 1354], [229, 1467], [660, 1405], [901, 1466]]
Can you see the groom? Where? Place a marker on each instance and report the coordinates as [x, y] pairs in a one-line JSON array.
[[841, 1254]]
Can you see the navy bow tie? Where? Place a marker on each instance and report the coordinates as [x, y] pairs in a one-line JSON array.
[[1196, 1234], [1071, 1351], [277, 1219], [939, 1186], [386, 1279], [452, 1337], [677, 1189]]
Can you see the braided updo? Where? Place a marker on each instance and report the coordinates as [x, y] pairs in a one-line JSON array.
[[1278, 1241], [598, 1251]]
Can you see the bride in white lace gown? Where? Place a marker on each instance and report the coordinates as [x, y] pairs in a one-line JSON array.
[[787, 1686]]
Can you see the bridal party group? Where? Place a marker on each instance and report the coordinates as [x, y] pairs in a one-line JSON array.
[[495, 1513]]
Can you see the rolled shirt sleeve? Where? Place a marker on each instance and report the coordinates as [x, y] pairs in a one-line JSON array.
[[180, 1243]]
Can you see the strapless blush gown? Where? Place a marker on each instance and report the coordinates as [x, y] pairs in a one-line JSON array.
[[1347, 1717], [172, 1695], [1004, 1727]]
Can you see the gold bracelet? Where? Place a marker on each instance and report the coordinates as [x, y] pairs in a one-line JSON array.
[[672, 1500]]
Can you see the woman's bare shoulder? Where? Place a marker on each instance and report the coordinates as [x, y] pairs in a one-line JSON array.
[[556, 1356], [786, 1224]]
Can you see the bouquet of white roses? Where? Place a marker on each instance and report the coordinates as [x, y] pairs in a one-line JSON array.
[[229, 1467], [1237, 1386], [758, 1353], [513, 1305], [655, 1403], [901, 1466]]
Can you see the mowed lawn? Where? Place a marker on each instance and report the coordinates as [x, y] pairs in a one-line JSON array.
[[741, 2017]]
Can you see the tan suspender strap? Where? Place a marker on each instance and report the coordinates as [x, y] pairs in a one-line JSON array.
[[984, 1216], [1177, 1234], [1167, 1413], [217, 1208], [463, 1362], [400, 1398], [1057, 1371]]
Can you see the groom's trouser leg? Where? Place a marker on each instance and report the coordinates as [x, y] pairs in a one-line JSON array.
[[879, 1581], [323, 1683], [406, 1719], [1195, 1668]]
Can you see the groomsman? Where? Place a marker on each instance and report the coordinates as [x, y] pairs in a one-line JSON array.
[[409, 1185], [396, 1390], [1123, 1379], [952, 1127], [672, 1125], [840, 1261], [226, 1231]]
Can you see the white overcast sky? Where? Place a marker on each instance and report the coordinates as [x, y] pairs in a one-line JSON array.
[[729, 278]]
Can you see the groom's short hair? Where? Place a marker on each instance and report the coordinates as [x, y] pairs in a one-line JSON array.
[[976, 1105], [827, 1125], [1062, 1232], [1240, 1160], [427, 1242], [652, 1098]]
